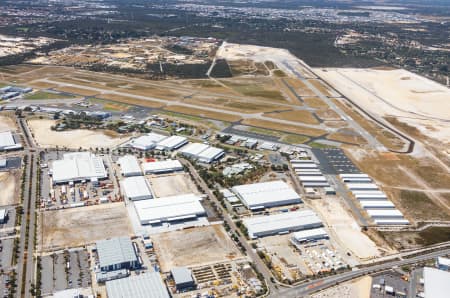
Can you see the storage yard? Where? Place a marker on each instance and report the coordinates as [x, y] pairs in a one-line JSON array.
[[79, 226], [172, 184], [207, 245]]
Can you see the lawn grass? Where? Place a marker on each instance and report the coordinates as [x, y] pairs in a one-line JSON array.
[[294, 129], [42, 95], [294, 139]]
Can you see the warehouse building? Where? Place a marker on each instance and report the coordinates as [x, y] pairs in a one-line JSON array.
[[309, 235], [266, 194], [306, 173], [183, 279], [315, 184], [169, 209], [144, 285], [136, 188], [116, 254], [281, 223], [357, 180], [366, 204], [361, 186], [308, 178], [78, 166], [129, 166], [146, 142], [391, 221], [8, 141], [202, 152], [443, 263], [171, 143], [161, 167], [309, 165], [371, 197], [436, 283], [3, 216], [344, 176], [384, 213]]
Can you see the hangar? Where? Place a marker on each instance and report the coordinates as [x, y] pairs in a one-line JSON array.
[[78, 166], [136, 188], [160, 167], [144, 285], [281, 223], [129, 166], [266, 194], [8, 142], [169, 209], [171, 143], [202, 152], [146, 142]]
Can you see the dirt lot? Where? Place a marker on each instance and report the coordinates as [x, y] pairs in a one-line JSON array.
[[347, 231], [359, 288], [194, 247], [46, 137], [284, 127], [7, 123], [301, 116], [9, 187], [171, 185], [83, 225]]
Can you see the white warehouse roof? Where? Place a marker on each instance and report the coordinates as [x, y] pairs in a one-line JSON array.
[[384, 213], [364, 197], [164, 166], [144, 285], [362, 186], [136, 188], [281, 223], [193, 149], [147, 142], [78, 166], [202, 152], [310, 234], [210, 154], [304, 178], [377, 204], [391, 221], [309, 165], [436, 283], [354, 176], [171, 143], [129, 166], [7, 141], [169, 209], [266, 194]]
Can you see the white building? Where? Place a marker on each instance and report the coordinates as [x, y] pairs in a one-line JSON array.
[[169, 209], [384, 213], [147, 142], [436, 283], [171, 143], [129, 166], [366, 204], [144, 285], [160, 167], [281, 223], [78, 166], [443, 263], [3, 216], [308, 178], [8, 142], [266, 194], [136, 188], [202, 152], [309, 235], [391, 221], [361, 186]]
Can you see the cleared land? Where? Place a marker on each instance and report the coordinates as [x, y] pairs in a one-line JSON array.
[[9, 187], [80, 226], [301, 116], [7, 123], [171, 185], [77, 138], [194, 247], [284, 127], [359, 288], [131, 100], [347, 231], [203, 113]]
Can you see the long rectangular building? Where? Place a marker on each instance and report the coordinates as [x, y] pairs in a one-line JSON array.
[[160, 167], [129, 166], [362, 186], [384, 213], [285, 222], [309, 235], [169, 209], [144, 285], [171, 143], [8, 142], [146, 142], [78, 166], [377, 204], [202, 152], [266, 194], [136, 188]]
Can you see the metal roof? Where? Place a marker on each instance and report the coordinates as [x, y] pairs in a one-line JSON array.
[[391, 221], [353, 176], [145, 285], [181, 275], [172, 142], [436, 283], [129, 165], [147, 141], [265, 193], [380, 213], [115, 251], [202, 152], [369, 204], [308, 234], [78, 166], [194, 149], [169, 208], [6, 139], [3, 213], [361, 186], [307, 178], [210, 153], [162, 166], [136, 187]]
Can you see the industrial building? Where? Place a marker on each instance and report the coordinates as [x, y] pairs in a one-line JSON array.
[[436, 283], [266, 194], [345, 176], [129, 166], [160, 167], [146, 142], [309, 235], [308, 178], [169, 209], [3, 216], [183, 279], [78, 166], [171, 143], [116, 254], [8, 142], [310, 165], [391, 221], [361, 186], [384, 213], [136, 188], [315, 184], [366, 204], [144, 285], [443, 263], [281, 223], [370, 197], [202, 152]]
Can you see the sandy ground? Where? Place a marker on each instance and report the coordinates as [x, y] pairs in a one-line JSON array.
[[413, 99], [281, 57], [359, 288], [345, 228], [172, 185], [194, 247], [84, 225], [7, 123], [46, 137], [8, 188]]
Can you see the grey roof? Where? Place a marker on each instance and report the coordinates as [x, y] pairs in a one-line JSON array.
[[115, 251], [146, 285], [181, 275]]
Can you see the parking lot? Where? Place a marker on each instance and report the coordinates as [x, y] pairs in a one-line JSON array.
[[383, 284], [65, 270], [333, 161], [12, 163]]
